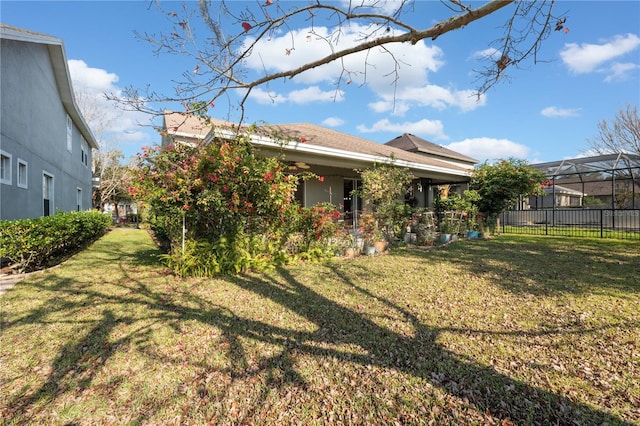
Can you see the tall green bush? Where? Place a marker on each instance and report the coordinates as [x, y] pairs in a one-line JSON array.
[[384, 187], [501, 184]]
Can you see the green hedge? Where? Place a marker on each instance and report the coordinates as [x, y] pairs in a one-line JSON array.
[[30, 244]]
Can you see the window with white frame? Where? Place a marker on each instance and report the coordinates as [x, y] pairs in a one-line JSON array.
[[84, 148], [83, 153], [47, 193], [79, 199], [69, 134], [5, 168], [23, 174]]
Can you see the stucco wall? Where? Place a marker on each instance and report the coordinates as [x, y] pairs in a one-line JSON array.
[[33, 128]]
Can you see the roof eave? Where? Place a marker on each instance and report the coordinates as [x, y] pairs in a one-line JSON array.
[[309, 148], [65, 89], [55, 47]]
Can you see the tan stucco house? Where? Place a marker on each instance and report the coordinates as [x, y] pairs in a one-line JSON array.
[[335, 156]]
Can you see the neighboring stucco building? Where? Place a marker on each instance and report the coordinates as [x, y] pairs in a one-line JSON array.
[[45, 144], [556, 196], [333, 155]]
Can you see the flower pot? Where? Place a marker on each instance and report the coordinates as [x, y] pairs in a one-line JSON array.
[[380, 246], [444, 238], [350, 252], [369, 250], [472, 234], [410, 238]]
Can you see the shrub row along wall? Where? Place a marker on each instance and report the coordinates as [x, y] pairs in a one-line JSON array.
[[28, 244]]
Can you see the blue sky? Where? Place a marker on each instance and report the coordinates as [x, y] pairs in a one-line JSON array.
[[544, 112]]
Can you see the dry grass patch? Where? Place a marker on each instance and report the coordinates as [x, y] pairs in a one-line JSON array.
[[523, 330]]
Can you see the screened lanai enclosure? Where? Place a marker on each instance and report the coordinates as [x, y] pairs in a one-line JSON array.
[[596, 196]]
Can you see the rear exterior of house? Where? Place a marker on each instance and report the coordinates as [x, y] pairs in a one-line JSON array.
[[45, 144], [332, 155]]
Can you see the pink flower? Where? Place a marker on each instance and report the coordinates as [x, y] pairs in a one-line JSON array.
[[321, 178]]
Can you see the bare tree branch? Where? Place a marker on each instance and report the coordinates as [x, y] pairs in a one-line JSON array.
[[219, 59], [621, 135]]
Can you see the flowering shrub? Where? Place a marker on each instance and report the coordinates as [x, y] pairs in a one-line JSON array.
[[314, 227], [223, 192]]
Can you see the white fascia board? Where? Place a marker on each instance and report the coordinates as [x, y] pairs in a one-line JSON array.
[[65, 89], [307, 148]]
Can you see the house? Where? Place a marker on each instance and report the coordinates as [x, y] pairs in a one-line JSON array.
[[334, 155], [412, 143], [557, 196], [45, 143], [600, 181]]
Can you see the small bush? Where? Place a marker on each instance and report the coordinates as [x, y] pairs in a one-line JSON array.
[[227, 255], [30, 244]]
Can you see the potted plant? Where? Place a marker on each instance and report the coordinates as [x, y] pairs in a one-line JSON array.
[[379, 241], [472, 225], [368, 227], [446, 229], [351, 246]]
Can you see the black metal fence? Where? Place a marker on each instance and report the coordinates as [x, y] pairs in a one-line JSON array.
[[595, 223]]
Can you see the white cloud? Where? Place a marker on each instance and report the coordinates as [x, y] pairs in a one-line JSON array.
[[432, 128], [585, 58], [264, 97], [489, 53], [314, 94], [429, 95], [382, 6], [302, 96], [397, 107], [490, 149], [293, 49], [333, 121], [619, 71], [397, 74], [110, 124], [554, 111]]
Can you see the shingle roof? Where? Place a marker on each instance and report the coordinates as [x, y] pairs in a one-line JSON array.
[[409, 142], [187, 125], [322, 136], [312, 136]]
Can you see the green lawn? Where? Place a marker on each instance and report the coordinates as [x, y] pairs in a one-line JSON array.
[[512, 330]]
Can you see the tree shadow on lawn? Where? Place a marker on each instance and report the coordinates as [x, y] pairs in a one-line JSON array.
[[544, 268], [418, 355], [73, 369]]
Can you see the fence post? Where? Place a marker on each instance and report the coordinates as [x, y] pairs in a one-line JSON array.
[[601, 223], [546, 222]]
